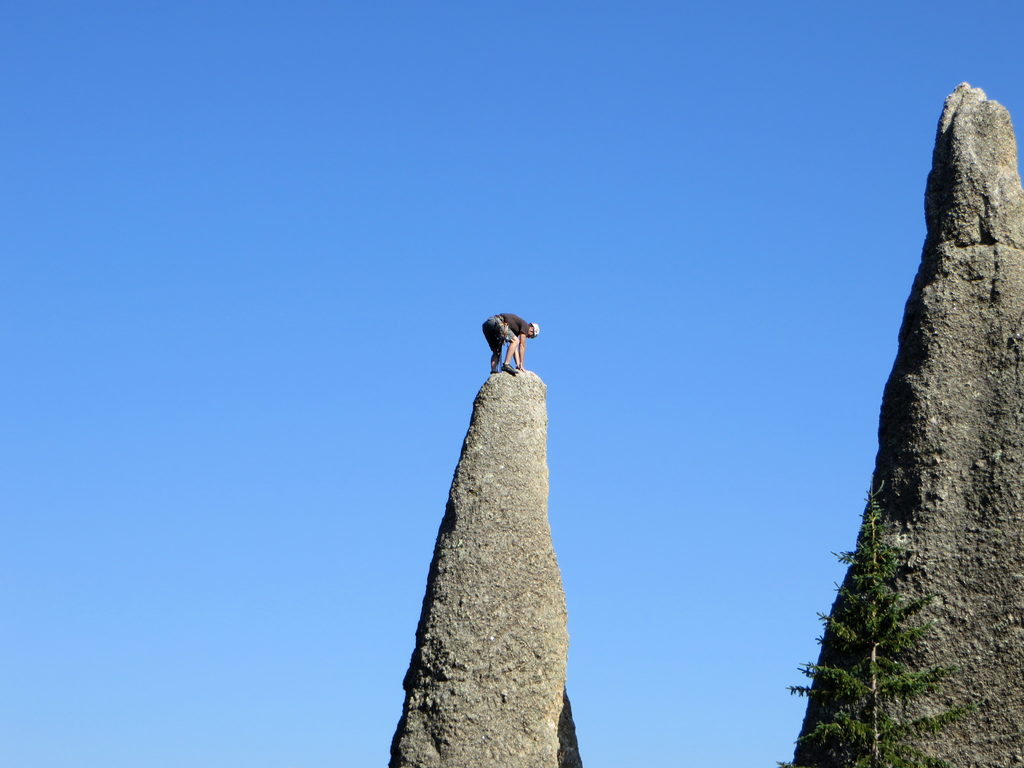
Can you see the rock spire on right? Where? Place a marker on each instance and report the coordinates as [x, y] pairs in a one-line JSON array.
[[951, 438]]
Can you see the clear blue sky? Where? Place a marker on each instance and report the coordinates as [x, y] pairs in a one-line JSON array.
[[247, 251]]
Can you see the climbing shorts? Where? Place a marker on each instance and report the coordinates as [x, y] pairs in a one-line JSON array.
[[497, 332]]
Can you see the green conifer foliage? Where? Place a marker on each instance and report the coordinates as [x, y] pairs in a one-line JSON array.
[[865, 687]]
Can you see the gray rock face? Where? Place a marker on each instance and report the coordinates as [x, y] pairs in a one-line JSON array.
[[486, 686], [951, 436]]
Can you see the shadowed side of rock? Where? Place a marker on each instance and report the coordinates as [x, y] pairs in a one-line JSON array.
[[486, 685], [951, 438]]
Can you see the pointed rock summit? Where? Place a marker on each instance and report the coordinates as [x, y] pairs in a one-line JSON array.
[[486, 686], [951, 437]]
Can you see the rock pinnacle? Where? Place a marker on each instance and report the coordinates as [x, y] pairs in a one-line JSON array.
[[951, 437], [486, 685]]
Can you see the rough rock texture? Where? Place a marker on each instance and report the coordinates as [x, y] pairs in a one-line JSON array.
[[951, 436], [486, 686]]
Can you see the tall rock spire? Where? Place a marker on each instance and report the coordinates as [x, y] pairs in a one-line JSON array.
[[486, 686], [951, 436]]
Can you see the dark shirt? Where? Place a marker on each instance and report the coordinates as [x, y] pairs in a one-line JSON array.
[[516, 324]]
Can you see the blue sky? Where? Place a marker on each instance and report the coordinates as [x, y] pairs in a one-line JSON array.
[[248, 250]]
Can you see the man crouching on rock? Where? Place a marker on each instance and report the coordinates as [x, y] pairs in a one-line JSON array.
[[514, 330]]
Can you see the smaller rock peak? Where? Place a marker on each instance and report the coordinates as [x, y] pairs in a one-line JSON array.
[[974, 195], [963, 97], [966, 89]]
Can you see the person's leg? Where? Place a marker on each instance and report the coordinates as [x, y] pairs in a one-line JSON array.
[[493, 334], [512, 347]]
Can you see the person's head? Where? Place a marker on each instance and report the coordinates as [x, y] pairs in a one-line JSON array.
[[533, 330]]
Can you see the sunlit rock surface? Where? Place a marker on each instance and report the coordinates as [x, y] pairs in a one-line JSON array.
[[487, 679], [951, 437]]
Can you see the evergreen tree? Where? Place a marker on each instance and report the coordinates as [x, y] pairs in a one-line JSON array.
[[864, 688]]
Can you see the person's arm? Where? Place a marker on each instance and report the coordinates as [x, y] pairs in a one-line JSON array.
[[521, 352]]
